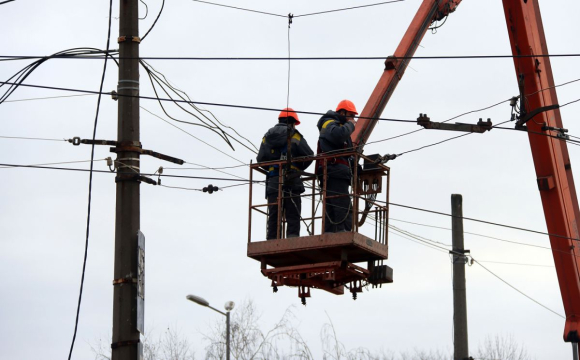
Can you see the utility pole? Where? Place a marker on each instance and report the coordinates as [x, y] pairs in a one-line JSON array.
[[460, 343], [127, 308]]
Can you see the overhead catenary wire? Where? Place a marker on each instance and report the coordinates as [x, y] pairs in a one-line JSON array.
[[30, 138], [193, 102], [516, 289], [91, 185], [478, 220], [476, 234], [302, 15], [57, 163], [301, 58], [141, 173], [495, 275], [349, 8], [47, 98]]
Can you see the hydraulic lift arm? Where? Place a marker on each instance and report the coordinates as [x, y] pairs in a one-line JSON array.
[[550, 154], [551, 158], [395, 66]]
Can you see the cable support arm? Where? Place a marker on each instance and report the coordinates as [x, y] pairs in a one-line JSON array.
[[429, 11], [481, 127]]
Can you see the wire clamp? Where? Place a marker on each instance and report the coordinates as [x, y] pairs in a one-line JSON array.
[[290, 17], [124, 38]]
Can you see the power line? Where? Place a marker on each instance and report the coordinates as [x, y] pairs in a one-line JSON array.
[[498, 277], [192, 102], [349, 8], [239, 8], [203, 167], [516, 289], [30, 138], [477, 220], [91, 184], [55, 163], [6, 1], [476, 234], [302, 58], [303, 15], [512, 263], [128, 173], [47, 98]]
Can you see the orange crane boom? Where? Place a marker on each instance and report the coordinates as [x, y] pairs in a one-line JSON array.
[[538, 100]]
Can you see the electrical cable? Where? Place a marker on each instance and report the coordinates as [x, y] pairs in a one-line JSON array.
[[191, 102], [146, 10], [30, 138], [443, 141], [55, 163], [302, 58], [477, 220], [47, 98], [23, 73], [349, 8], [193, 136], [154, 22], [128, 173], [238, 8], [498, 277], [303, 15], [480, 235], [512, 263], [516, 289], [154, 76], [203, 167], [91, 184], [6, 1]]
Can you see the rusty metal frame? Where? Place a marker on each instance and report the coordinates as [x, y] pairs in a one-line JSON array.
[[355, 193]]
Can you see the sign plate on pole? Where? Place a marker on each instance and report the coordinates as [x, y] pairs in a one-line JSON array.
[[141, 283]]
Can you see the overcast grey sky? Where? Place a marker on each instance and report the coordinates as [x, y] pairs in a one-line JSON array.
[[196, 243]]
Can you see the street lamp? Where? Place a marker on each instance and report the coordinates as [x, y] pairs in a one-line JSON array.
[[229, 306]]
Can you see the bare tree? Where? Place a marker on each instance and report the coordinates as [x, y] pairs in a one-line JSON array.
[[249, 342], [501, 347], [169, 346]]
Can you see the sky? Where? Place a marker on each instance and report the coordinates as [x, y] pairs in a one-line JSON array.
[[196, 242]]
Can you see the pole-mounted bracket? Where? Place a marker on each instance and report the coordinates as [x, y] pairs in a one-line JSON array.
[[481, 126], [528, 116], [122, 147]]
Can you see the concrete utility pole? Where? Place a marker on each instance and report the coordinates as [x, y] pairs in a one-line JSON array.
[[127, 287], [460, 343]]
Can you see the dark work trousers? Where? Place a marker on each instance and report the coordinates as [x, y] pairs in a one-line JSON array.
[[338, 210], [292, 206]]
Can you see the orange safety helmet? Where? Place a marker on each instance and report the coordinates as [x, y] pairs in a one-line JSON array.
[[289, 113], [346, 105]]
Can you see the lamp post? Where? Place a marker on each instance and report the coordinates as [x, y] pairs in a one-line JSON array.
[[229, 306]]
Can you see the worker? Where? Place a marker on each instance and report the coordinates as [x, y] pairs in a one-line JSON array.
[[274, 147], [335, 129]]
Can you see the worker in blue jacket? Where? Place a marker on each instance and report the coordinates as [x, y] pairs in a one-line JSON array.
[[274, 147], [335, 129]]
